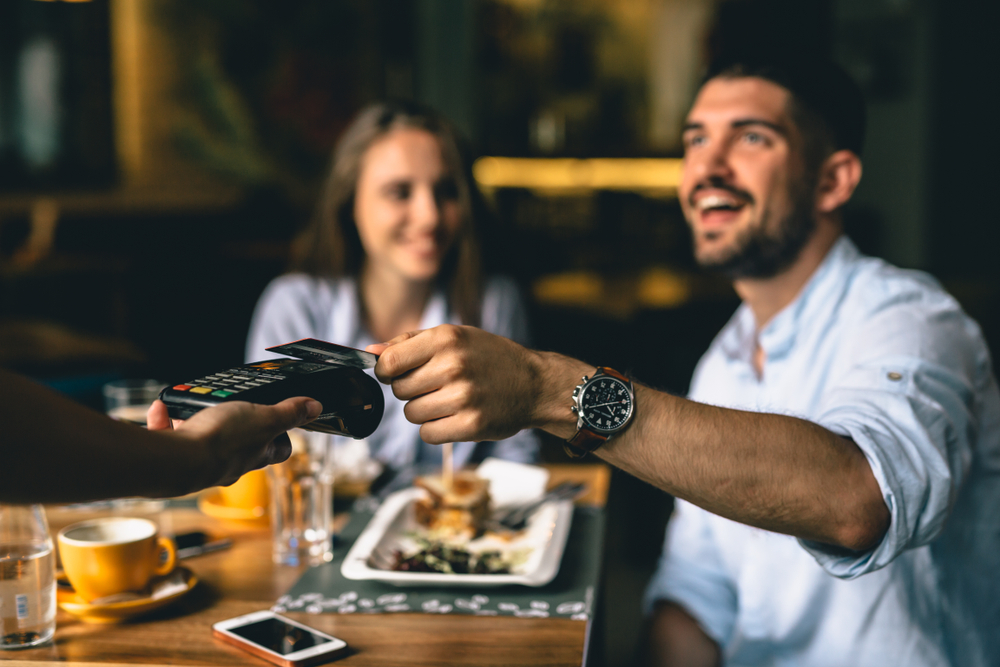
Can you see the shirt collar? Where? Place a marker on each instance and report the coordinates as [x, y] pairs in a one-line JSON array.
[[778, 336]]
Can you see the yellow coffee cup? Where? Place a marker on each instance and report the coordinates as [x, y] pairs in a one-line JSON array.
[[249, 492], [114, 555]]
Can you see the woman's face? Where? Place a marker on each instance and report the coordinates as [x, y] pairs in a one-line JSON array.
[[406, 205]]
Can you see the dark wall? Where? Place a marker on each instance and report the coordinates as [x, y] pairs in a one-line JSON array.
[[965, 140]]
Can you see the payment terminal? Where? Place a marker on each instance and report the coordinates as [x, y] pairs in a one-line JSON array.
[[332, 374]]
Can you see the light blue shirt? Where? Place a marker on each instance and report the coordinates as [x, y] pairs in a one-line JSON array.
[[298, 306], [887, 358]]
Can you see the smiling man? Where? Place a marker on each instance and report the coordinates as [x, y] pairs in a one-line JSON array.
[[837, 462]]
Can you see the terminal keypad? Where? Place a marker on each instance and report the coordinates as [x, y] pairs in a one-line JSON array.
[[229, 383]]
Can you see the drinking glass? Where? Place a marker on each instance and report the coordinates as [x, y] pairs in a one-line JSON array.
[[27, 577], [127, 401], [302, 501]]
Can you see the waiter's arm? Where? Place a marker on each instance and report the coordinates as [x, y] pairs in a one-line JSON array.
[[55, 450], [774, 472]]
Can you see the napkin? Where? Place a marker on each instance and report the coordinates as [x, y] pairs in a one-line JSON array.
[[513, 483]]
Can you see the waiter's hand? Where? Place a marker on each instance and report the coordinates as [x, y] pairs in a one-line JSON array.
[[238, 437]]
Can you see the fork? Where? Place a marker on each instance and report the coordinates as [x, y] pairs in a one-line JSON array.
[[516, 518]]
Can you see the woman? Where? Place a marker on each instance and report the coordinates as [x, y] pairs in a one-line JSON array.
[[394, 247]]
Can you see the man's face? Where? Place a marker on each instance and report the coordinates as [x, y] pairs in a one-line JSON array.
[[745, 190]]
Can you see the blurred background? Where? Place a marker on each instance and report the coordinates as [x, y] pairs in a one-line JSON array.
[[157, 157]]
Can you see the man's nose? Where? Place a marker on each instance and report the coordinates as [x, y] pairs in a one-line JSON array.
[[712, 161]]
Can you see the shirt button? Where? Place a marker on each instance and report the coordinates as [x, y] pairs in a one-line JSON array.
[[894, 376]]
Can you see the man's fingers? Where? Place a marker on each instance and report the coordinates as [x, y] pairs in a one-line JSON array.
[[411, 351], [428, 408], [457, 428], [157, 418], [379, 348]]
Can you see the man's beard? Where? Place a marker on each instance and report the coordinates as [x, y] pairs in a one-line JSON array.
[[760, 252]]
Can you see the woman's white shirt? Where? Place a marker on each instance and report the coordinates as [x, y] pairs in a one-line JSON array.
[[297, 306]]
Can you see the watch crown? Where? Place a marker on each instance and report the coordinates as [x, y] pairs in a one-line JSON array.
[[576, 392], [585, 378], [574, 410]]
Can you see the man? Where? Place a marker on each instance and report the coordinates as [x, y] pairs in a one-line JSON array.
[[837, 465], [55, 450]]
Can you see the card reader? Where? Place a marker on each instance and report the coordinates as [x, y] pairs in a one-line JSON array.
[[332, 374]]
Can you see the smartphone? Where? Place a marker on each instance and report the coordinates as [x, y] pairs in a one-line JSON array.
[[279, 640], [197, 543], [332, 374]]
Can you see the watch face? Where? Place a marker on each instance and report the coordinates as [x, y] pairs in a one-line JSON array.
[[606, 404]]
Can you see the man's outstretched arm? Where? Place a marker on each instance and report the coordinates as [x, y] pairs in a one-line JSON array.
[[55, 450], [774, 472]]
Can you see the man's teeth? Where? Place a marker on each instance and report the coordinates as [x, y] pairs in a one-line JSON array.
[[717, 201]]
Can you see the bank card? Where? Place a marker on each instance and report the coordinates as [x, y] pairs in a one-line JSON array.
[[311, 349]]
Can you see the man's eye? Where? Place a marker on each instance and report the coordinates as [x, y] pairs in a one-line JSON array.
[[694, 140], [754, 138]]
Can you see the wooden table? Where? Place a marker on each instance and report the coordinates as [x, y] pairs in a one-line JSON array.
[[243, 579]]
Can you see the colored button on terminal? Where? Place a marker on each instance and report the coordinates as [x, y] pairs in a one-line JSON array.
[[222, 393], [201, 390], [182, 387]]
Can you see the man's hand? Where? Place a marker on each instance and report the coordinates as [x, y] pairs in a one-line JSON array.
[[237, 437], [464, 384]]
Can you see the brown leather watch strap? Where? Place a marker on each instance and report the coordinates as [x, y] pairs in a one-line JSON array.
[[573, 452], [587, 440], [613, 373]]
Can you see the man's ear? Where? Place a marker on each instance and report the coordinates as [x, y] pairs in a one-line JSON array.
[[838, 177]]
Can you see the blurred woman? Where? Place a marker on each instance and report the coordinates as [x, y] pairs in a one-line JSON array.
[[394, 247]]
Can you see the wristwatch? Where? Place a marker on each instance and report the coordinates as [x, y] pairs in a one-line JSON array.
[[604, 406]]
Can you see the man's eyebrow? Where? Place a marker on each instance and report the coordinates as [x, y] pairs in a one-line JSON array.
[[747, 122], [743, 122]]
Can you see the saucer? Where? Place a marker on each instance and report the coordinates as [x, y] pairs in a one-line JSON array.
[[164, 590], [210, 502]]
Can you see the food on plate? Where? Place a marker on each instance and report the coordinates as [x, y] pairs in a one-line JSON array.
[[436, 556], [457, 511]]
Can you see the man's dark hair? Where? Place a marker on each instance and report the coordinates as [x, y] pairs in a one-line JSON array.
[[827, 104]]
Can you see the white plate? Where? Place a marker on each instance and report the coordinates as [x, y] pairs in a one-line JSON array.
[[393, 525]]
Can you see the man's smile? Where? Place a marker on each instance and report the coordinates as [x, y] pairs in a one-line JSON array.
[[714, 206]]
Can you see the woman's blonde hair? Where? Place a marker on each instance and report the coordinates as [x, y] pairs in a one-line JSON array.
[[330, 246]]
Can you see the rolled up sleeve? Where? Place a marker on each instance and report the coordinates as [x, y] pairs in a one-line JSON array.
[[914, 423]]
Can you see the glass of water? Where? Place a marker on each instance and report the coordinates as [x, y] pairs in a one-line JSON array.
[[302, 501], [27, 577], [128, 401]]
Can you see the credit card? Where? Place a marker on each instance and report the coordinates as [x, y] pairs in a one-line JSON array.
[[311, 349]]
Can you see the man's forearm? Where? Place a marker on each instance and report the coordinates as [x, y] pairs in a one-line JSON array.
[[770, 471]]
